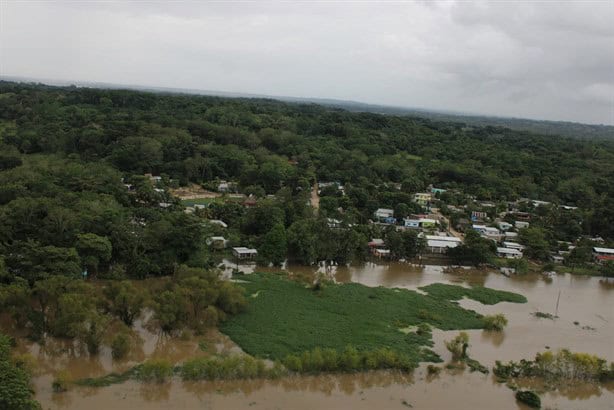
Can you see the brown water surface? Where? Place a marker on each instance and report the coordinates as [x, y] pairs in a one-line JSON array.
[[585, 300]]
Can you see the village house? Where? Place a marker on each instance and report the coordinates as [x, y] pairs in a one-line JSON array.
[[504, 226], [513, 245], [488, 232], [333, 223], [521, 224], [216, 242], [423, 198], [603, 255], [385, 215], [509, 253], [242, 252], [411, 223], [441, 244], [218, 222]]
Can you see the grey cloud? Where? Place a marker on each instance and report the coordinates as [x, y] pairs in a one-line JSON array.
[[530, 59]]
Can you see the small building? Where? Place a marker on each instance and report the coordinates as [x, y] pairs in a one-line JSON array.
[[411, 223], [250, 201], [427, 223], [423, 198], [510, 235], [504, 226], [509, 253], [437, 190], [603, 255], [558, 259], [376, 243], [333, 223], [242, 252], [479, 216], [218, 222], [513, 245], [440, 246], [488, 231], [216, 242], [443, 238], [381, 253], [521, 224], [224, 186], [383, 213]]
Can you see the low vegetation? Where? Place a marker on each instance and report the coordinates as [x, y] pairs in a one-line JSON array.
[[289, 318], [349, 360], [16, 392], [495, 322], [481, 294], [560, 367], [154, 370], [530, 398], [229, 368]]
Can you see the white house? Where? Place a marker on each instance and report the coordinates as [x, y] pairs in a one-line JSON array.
[[217, 242], [504, 226], [411, 223], [603, 254], [440, 245], [521, 224], [242, 252], [513, 245], [218, 222], [383, 213], [509, 253], [488, 231]]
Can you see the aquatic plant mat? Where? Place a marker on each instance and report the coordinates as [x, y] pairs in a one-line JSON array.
[[289, 317]]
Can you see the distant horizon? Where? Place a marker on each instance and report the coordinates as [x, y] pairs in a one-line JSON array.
[[284, 98], [543, 61]]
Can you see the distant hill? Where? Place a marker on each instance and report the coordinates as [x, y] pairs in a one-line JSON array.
[[543, 127]]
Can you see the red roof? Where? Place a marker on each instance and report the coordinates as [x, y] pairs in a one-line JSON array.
[[605, 257]]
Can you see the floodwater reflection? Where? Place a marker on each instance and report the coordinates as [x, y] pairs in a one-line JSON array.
[[585, 300]]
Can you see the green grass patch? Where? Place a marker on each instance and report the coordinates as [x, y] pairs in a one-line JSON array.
[[481, 294], [290, 318]]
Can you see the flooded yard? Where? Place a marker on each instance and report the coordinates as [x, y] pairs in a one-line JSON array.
[[585, 323]]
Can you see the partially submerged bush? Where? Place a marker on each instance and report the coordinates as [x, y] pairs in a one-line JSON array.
[[330, 360], [155, 370], [495, 322], [224, 368], [61, 382], [120, 346], [561, 366], [458, 346], [529, 397]]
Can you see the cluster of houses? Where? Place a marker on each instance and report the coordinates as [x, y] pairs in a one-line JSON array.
[[386, 216]]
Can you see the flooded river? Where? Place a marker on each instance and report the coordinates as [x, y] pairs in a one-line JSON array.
[[585, 323]]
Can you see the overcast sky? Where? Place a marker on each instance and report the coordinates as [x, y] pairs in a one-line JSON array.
[[545, 60]]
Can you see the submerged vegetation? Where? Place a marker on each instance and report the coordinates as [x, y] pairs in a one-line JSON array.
[[16, 393], [481, 294], [561, 367], [288, 318]]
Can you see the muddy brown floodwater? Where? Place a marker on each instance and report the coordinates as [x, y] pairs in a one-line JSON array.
[[587, 301]]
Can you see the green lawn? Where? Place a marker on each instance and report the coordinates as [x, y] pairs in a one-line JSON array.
[[285, 317]]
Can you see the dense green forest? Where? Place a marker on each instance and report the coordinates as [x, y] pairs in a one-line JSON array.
[[67, 152]]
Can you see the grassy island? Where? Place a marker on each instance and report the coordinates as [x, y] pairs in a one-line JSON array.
[[285, 317]]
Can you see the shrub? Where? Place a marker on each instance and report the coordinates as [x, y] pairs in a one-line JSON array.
[[155, 370], [495, 322], [120, 346], [60, 382], [433, 370], [458, 346], [530, 398]]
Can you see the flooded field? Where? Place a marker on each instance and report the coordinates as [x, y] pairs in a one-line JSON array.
[[585, 323]]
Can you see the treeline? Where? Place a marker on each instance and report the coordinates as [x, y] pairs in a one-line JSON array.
[[60, 306], [66, 153]]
